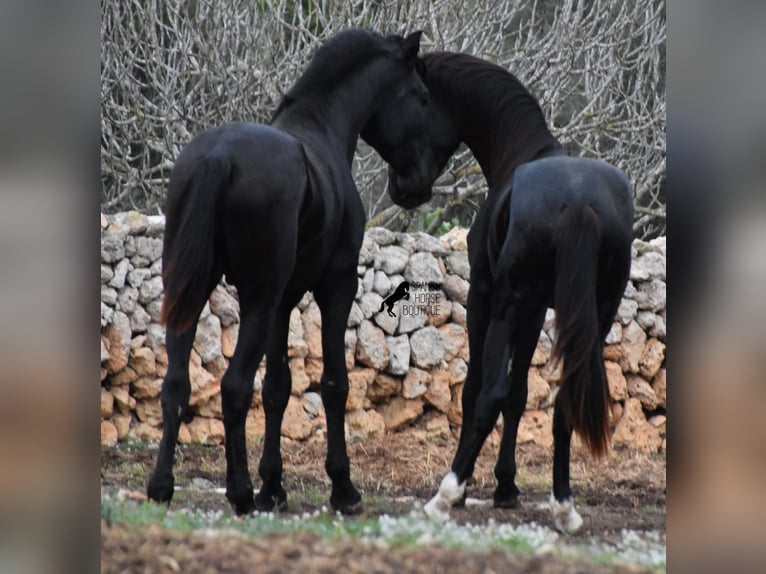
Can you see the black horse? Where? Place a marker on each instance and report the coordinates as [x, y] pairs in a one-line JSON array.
[[275, 208], [402, 291], [563, 241]]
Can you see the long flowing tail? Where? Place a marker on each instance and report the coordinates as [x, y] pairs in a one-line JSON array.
[[188, 250], [584, 391]]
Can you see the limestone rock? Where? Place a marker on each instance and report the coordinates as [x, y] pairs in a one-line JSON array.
[[355, 316], [634, 431], [381, 283], [312, 329], [626, 311], [124, 377], [122, 424], [643, 391], [633, 340], [615, 334], [427, 347], [108, 433], [224, 306], [112, 247], [652, 358], [438, 393], [371, 349], [456, 289], [458, 314], [118, 334], [456, 238], [296, 344], [349, 343], [415, 383], [229, 340], [383, 386], [536, 427], [146, 432], [437, 425], [107, 404], [409, 321], [457, 264], [150, 290], [652, 323], [381, 236], [149, 411], [142, 361], [618, 385], [386, 322], [364, 424], [370, 304], [300, 380], [391, 259], [358, 381], [457, 370], [538, 389], [454, 338], [399, 348], [296, 423], [423, 268], [648, 266], [440, 312], [652, 295], [400, 412], [207, 341], [147, 387]]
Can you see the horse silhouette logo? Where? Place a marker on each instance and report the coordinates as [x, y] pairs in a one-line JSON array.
[[401, 292]]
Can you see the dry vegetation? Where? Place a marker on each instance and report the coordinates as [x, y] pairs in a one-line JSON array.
[[171, 69]]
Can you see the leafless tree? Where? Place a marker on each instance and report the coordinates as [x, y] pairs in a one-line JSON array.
[[172, 68]]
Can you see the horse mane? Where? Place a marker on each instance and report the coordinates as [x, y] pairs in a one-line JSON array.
[[335, 60], [496, 97]]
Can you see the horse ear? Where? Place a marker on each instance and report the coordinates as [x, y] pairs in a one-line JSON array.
[[412, 45]]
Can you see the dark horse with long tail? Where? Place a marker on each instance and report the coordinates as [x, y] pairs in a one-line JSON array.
[[274, 207], [555, 231]]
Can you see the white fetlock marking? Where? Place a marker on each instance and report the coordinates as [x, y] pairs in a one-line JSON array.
[[565, 517], [449, 493]]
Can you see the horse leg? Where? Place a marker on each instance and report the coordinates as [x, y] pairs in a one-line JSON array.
[[334, 297], [276, 394], [237, 396], [176, 390], [477, 320], [497, 353], [507, 493], [565, 517]]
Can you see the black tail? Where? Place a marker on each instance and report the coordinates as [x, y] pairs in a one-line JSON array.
[[584, 391], [188, 250]]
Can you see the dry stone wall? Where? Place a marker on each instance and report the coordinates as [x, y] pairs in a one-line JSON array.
[[404, 370]]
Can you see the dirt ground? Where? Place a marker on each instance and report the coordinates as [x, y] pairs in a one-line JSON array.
[[625, 491]]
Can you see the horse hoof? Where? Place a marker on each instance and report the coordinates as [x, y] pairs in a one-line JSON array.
[[506, 498], [241, 500], [506, 502], [350, 509], [347, 503], [270, 502], [461, 502], [449, 493], [565, 517], [160, 489]]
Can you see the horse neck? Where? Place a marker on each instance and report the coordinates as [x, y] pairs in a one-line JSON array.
[[333, 121], [502, 133]]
